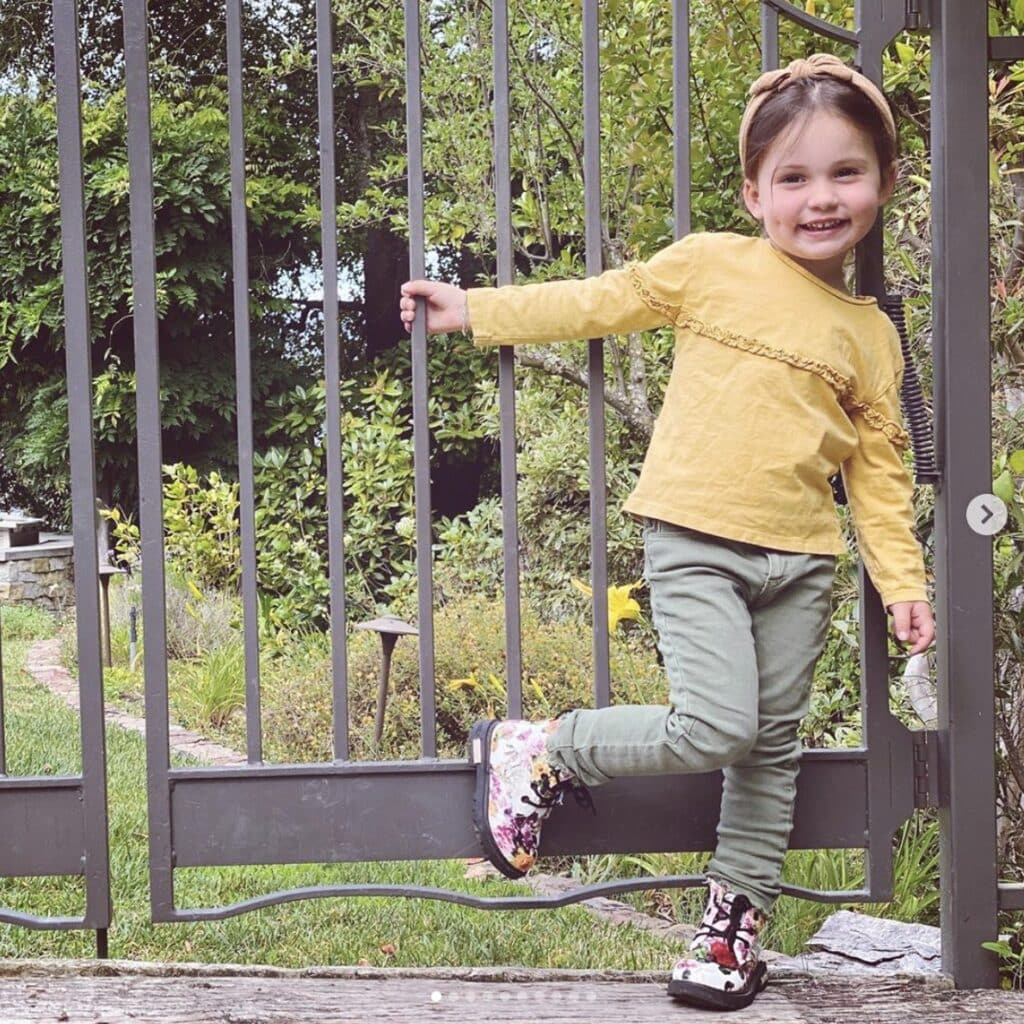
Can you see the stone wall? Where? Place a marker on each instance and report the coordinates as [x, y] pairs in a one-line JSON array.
[[40, 575]]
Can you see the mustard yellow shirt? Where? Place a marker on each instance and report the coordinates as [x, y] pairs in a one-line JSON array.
[[778, 380]]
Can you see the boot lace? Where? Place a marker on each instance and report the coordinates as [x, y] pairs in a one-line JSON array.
[[549, 794], [726, 924]]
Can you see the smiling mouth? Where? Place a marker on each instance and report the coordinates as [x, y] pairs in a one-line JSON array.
[[823, 225]]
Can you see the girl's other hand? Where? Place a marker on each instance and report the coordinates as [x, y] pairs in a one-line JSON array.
[[446, 306], [912, 622]]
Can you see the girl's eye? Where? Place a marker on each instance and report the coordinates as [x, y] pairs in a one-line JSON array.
[[789, 179], [847, 171]]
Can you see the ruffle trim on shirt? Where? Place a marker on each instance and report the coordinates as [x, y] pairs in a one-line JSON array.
[[840, 383], [893, 431], [670, 312]]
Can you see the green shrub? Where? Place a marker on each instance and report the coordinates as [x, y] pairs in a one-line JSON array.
[[833, 719], [201, 531], [1009, 947], [470, 554], [209, 689], [198, 621], [471, 681]]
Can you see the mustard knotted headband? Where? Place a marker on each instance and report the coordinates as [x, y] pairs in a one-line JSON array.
[[772, 82]]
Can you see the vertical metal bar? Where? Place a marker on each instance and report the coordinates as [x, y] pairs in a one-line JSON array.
[[876, 718], [963, 564], [596, 419], [332, 372], [876, 723], [769, 37], [874, 34], [506, 365], [3, 723], [420, 427], [147, 397], [243, 383], [681, 117], [77, 345]]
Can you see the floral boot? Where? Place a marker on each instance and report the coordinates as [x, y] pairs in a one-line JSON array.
[[723, 969], [516, 789]]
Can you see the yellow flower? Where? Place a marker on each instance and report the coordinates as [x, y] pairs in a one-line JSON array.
[[621, 605], [470, 682]]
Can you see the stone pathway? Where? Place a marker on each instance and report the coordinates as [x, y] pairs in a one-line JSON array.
[[42, 662]]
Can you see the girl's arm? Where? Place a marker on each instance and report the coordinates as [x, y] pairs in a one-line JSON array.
[[880, 490], [591, 307], [637, 297]]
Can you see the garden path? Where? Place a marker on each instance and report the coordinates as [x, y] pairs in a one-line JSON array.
[[42, 662]]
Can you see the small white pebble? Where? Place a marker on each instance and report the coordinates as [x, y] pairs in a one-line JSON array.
[[435, 996]]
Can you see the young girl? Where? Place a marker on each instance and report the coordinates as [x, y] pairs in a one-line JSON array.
[[781, 377]]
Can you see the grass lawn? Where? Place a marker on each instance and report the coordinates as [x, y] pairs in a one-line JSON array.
[[42, 737]]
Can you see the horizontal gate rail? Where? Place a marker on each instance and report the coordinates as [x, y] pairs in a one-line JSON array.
[[44, 825], [1006, 48], [324, 812], [301, 813], [1011, 897], [465, 899]]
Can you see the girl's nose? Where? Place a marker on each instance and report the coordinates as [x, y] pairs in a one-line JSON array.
[[823, 195]]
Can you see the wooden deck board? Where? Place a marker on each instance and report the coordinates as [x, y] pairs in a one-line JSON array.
[[119, 992]]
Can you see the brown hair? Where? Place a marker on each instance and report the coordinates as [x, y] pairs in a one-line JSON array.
[[802, 97]]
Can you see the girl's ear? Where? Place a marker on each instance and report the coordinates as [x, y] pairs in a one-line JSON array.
[[752, 198]]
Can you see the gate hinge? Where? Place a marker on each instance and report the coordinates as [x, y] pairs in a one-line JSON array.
[[917, 15], [926, 790]]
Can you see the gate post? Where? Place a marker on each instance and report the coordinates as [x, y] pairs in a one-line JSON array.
[[963, 558]]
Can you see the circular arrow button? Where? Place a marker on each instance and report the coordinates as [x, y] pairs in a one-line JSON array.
[[986, 514]]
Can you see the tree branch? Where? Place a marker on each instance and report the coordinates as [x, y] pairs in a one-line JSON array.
[[1016, 264], [636, 388], [636, 414]]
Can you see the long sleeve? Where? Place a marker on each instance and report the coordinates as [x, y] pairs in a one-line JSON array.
[[880, 490], [637, 297]]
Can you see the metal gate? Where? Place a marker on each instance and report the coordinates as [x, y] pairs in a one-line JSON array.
[[57, 825], [260, 814]]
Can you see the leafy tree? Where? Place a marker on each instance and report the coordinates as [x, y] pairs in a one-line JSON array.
[[193, 252], [188, 66]]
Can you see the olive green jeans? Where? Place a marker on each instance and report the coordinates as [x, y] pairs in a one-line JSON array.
[[740, 628]]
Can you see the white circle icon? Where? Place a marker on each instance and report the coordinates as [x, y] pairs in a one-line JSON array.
[[986, 514]]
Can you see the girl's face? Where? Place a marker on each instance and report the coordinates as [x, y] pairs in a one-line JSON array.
[[818, 191]]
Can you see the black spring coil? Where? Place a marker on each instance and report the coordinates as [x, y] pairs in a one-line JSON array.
[[914, 409]]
